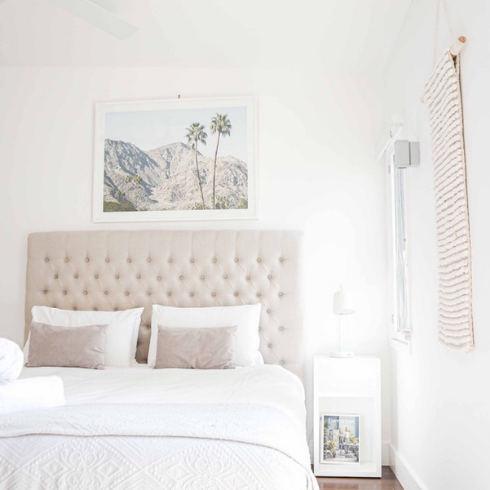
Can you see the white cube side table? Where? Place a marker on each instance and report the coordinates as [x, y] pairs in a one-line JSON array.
[[349, 386]]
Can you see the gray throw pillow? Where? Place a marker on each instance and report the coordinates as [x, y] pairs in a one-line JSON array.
[[82, 347], [196, 348]]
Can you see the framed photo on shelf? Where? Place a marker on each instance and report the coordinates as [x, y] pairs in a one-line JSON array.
[[184, 159], [340, 439]]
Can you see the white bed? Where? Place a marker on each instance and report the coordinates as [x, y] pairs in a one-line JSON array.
[[168, 429], [139, 428]]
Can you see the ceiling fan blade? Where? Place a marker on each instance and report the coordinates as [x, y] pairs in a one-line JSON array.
[[97, 15]]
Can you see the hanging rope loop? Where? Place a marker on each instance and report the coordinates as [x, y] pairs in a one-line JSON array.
[[459, 44]]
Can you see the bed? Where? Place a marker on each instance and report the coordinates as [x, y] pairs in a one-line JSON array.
[[137, 427]]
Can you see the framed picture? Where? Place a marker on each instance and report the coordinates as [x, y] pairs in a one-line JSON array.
[[340, 439], [175, 160]]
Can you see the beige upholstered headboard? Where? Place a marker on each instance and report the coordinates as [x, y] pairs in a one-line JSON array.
[[116, 270]]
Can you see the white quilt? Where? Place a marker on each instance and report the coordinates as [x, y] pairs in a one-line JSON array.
[[162, 429]]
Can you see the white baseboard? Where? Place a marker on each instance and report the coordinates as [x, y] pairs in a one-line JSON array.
[[404, 472]]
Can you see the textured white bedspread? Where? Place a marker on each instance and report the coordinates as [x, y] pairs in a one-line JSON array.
[[162, 429]]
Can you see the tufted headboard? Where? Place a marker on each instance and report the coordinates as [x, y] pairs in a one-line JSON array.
[[116, 270]]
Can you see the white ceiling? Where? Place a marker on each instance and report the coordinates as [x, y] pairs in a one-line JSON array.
[[354, 36]]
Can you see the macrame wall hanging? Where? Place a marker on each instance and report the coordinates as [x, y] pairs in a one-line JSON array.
[[443, 98]]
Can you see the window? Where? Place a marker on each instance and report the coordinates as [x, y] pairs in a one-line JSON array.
[[400, 157]]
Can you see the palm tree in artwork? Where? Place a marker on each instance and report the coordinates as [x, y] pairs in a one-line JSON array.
[[219, 124], [196, 134]]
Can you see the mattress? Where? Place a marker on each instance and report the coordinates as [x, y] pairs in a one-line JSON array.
[[139, 428]]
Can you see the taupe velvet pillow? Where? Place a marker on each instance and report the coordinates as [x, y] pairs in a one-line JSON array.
[[82, 347], [196, 348]]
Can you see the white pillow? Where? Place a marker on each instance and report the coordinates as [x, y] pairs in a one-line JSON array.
[[122, 334], [246, 318], [258, 359]]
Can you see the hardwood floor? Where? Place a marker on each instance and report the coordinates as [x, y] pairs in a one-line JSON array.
[[387, 482]]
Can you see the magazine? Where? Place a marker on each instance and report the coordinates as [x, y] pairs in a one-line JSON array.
[[340, 439]]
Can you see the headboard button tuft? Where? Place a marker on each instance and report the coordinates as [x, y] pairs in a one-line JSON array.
[[281, 328], [65, 292], [213, 294], [181, 278], [149, 259], [127, 293], [76, 276], [129, 261], [191, 294], [248, 278], [169, 293], [159, 278], [280, 294], [202, 278], [56, 276], [269, 277], [215, 260], [45, 291], [66, 260], [106, 292], [259, 260], [149, 293], [268, 310], [138, 276], [269, 345], [96, 276], [225, 276], [259, 295], [75, 308], [192, 261], [85, 293], [281, 362], [236, 259], [107, 259], [87, 260], [236, 293], [117, 276], [281, 260], [46, 260], [170, 261]]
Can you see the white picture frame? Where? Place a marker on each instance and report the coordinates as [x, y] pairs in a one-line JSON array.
[[116, 195], [333, 449]]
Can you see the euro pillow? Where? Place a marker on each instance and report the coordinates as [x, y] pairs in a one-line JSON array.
[[82, 347], [122, 334], [196, 348], [246, 318]]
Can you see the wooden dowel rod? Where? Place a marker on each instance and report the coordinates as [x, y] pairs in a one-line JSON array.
[[458, 46]]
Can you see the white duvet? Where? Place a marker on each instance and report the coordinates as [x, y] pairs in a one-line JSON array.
[[162, 429]]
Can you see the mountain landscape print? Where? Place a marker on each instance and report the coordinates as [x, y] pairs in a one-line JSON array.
[[175, 160]]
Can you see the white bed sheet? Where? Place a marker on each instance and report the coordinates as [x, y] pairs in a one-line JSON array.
[[266, 385], [143, 446]]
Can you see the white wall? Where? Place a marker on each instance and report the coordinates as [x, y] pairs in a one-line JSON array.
[[441, 400], [316, 172]]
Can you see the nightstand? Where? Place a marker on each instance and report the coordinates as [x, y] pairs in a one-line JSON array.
[[348, 392]]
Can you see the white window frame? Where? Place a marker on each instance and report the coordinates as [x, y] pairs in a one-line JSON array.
[[399, 268], [398, 246]]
